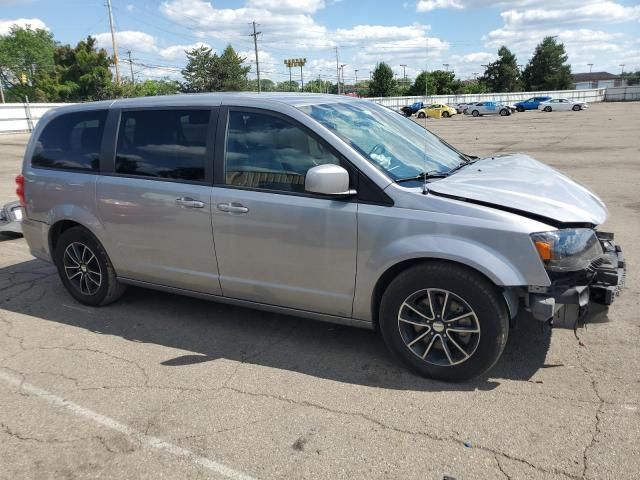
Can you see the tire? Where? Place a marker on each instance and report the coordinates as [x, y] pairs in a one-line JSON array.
[[475, 113], [446, 114], [466, 291], [421, 115], [79, 255], [520, 109], [547, 108], [504, 112], [576, 108]]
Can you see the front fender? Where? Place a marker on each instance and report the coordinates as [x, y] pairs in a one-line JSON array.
[[490, 262]]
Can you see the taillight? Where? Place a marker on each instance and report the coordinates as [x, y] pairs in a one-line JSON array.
[[20, 190]]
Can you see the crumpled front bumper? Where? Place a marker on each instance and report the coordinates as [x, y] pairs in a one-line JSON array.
[[11, 218], [569, 299]]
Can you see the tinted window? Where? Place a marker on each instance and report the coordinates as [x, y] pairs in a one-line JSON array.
[[163, 143], [264, 151], [71, 141]]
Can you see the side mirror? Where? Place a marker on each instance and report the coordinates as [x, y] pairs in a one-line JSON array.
[[328, 179]]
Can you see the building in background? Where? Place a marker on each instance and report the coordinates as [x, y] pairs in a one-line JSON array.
[[596, 80]]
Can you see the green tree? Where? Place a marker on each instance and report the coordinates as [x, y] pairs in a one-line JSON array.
[[631, 78], [288, 86], [547, 69], [502, 75], [26, 63], [265, 84], [199, 72], [81, 73], [382, 82], [439, 82], [230, 71]]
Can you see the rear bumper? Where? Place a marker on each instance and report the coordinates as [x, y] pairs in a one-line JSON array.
[[37, 236], [565, 304]]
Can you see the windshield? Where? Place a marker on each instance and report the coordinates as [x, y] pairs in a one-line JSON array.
[[396, 145]]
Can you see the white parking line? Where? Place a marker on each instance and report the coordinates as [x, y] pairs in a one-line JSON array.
[[136, 436]]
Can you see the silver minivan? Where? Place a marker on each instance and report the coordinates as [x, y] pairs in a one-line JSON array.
[[321, 206]]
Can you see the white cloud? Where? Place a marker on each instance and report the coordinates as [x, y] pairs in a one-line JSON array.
[[175, 52], [428, 5], [128, 39], [130, 7], [35, 23], [291, 6], [602, 12]]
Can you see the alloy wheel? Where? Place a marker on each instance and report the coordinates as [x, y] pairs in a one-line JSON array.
[[82, 268], [439, 327]]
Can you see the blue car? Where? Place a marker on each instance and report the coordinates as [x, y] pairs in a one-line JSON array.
[[531, 103], [413, 108]]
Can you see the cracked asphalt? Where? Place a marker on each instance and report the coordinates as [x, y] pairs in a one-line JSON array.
[[163, 386]]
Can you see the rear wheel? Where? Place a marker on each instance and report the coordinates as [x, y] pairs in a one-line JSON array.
[[475, 113], [504, 112], [444, 321], [576, 108], [520, 109], [446, 114], [85, 269], [421, 115], [547, 109]]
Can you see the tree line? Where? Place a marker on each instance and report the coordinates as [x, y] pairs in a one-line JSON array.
[[34, 66]]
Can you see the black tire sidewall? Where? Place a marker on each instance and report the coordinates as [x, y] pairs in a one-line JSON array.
[[520, 109], [547, 109], [78, 234], [475, 113], [478, 292], [576, 108]]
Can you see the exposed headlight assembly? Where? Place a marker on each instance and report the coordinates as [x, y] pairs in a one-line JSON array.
[[568, 249]]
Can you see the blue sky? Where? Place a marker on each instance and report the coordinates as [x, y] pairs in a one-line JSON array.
[[461, 33]]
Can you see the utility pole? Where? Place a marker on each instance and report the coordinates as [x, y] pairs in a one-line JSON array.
[[475, 75], [133, 80], [446, 67], [342, 65], [1, 87], [338, 70], [590, 65], [622, 68], [404, 75], [296, 62], [255, 46], [356, 70], [113, 42]]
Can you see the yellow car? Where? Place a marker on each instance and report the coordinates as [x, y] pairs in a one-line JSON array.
[[437, 110]]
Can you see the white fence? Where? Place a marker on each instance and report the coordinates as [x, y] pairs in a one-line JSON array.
[[622, 94], [18, 117], [585, 95]]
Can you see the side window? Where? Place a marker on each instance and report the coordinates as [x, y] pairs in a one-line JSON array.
[[71, 141], [267, 152], [167, 144]]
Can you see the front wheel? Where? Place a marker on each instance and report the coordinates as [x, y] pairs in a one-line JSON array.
[[444, 321], [421, 115], [475, 113], [85, 269], [446, 114], [520, 109], [547, 109], [504, 112], [576, 108]]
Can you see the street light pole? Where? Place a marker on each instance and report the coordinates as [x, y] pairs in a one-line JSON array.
[[622, 68], [404, 75], [446, 67], [590, 65], [342, 73], [356, 70]]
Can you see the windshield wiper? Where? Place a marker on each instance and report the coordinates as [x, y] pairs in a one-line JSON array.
[[424, 176], [462, 165]]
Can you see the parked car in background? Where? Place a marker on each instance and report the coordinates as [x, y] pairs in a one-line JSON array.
[[461, 106], [530, 103], [411, 109], [10, 218], [487, 108], [436, 110], [276, 201], [562, 105]]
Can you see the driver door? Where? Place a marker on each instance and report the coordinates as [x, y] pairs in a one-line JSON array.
[[275, 243]]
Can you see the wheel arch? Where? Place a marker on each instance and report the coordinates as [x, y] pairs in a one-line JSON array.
[[509, 294]]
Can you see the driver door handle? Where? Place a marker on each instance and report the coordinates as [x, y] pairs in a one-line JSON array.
[[232, 207], [189, 202]]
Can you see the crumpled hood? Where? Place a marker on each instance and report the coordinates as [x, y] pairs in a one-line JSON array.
[[518, 182]]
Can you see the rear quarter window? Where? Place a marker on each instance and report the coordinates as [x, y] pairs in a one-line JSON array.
[[71, 141]]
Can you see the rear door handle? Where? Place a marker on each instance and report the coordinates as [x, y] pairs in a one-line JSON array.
[[189, 202], [232, 207]]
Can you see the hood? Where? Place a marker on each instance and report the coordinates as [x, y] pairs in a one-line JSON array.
[[520, 184]]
